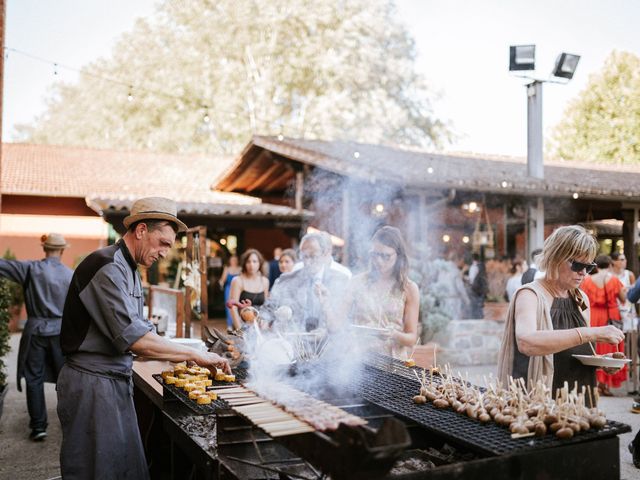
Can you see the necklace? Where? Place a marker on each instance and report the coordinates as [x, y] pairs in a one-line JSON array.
[[553, 290]]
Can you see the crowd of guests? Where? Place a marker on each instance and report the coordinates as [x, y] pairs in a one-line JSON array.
[[322, 294], [566, 298]]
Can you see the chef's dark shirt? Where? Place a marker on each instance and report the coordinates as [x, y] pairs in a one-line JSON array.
[[103, 312]]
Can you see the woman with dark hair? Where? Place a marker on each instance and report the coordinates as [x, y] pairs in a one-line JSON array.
[[627, 278], [604, 291], [288, 259], [384, 297], [230, 271], [251, 284]]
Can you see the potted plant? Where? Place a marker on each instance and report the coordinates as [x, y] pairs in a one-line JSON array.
[[16, 297], [5, 302], [442, 294], [496, 305]]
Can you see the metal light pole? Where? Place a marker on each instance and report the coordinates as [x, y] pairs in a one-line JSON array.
[[535, 164], [522, 58]]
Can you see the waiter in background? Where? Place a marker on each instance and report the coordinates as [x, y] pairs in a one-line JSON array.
[[45, 284]]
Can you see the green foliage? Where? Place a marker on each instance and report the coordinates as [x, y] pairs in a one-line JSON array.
[[432, 279], [603, 123], [5, 303], [323, 69], [16, 297]]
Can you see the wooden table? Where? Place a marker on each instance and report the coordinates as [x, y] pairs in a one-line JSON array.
[[142, 377]]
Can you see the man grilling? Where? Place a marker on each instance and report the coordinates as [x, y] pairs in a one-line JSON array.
[[102, 327]]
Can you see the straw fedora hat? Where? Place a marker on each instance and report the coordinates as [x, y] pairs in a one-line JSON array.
[[53, 240], [154, 208]]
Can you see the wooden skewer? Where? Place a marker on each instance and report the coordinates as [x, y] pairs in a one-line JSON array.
[[291, 432], [414, 349], [244, 401], [593, 350], [522, 435], [435, 362], [263, 403], [237, 395]]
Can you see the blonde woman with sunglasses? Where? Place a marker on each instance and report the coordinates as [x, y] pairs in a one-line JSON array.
[[549, 319]]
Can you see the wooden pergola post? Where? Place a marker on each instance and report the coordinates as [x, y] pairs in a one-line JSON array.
[[201, 232], [631, 236]]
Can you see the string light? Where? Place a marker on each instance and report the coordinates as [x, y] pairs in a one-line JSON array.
[[139, 88], [206, 117], [356, 154], [465, 239], [446, 238], [576, 195], [430, 170]]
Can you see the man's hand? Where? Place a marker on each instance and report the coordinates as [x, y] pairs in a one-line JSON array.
[[212, 360]]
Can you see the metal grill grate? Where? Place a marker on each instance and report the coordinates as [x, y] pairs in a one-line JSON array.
[[181, 395], [390, 385]]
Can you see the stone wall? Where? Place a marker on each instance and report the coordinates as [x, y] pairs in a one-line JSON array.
[[470, 342]]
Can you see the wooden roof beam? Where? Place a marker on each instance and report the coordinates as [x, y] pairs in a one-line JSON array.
[[280, 179], [265, 177], [247, 168]]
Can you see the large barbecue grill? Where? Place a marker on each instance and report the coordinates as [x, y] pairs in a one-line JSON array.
[[439, 443]]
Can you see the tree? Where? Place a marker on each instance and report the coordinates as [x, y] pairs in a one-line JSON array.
[[207, 74], [603, 123]]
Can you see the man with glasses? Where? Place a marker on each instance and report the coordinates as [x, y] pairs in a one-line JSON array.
[[311, 289]]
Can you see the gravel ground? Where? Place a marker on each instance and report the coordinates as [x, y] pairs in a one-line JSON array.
[[21, 459]]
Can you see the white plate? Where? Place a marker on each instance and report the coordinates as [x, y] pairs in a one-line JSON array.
[[594, 361], [190, 342]]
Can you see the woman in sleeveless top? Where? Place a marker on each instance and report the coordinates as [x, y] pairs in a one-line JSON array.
[[251, 284], [229, 273], [548, 319], [383, 297], [627, 278], [604, 291]]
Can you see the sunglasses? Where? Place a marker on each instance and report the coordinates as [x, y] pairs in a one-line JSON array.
[[382, 256], [579, 266]]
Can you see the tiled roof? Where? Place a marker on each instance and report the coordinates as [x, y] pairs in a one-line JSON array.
[[60, 171], [420, 169], [257, 211]]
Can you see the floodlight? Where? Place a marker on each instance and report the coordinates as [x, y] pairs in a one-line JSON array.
[[522, 57], [566, 65]]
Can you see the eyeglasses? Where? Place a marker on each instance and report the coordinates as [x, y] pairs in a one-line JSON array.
[[310, 258], [382, 256], [579, 266]]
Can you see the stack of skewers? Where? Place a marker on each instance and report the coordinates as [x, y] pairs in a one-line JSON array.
[[525, 411]]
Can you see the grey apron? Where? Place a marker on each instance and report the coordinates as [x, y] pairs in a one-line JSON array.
[[101, 440]]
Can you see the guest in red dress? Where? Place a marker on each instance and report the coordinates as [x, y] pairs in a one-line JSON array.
[[604, 290]]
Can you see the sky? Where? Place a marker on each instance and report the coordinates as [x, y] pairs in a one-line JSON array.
[[462, 46]]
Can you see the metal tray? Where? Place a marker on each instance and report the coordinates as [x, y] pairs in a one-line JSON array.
[[181, 395], [389, 384]]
